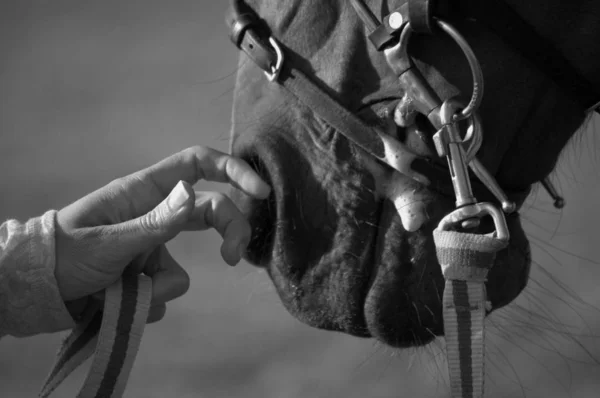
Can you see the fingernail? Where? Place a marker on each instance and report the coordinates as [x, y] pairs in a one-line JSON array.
[[178, 197]]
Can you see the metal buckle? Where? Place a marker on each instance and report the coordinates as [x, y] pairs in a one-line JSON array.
[[275, 69]]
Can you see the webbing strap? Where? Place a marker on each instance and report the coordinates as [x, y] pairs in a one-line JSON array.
[[465, 260], [112, 335]]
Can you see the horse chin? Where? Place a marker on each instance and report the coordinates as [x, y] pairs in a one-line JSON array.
[[339, 256]]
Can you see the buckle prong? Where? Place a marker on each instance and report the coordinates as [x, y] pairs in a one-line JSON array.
[[275, 69]]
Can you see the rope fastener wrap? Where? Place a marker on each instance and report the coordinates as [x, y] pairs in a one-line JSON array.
[[466, 259]]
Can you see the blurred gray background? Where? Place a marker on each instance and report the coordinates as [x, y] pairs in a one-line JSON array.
[[93, 90]]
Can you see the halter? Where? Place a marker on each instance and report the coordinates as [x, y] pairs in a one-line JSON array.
[[465, 258], [113, 334]]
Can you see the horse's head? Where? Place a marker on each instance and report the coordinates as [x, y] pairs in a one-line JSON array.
[[346, 240]]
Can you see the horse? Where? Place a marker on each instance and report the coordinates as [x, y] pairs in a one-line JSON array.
[[346, 240]]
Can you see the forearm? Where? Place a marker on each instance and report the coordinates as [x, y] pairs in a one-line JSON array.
[[30, 302]]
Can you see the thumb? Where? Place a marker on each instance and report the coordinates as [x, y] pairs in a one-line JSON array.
[[159, 225]]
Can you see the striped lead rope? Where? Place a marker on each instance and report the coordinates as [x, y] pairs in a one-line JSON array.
[[113, 335], [465, 259]]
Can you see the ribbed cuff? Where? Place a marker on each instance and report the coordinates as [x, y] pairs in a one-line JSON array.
[[31, 300]]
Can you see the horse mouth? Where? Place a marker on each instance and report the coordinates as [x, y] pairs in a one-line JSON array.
[[339, 257], [338, 253]]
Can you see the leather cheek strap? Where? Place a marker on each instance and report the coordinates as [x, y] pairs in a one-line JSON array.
[[420, 15], [245, 33]]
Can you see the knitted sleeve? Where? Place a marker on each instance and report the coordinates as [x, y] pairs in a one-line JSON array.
[[30, 302]]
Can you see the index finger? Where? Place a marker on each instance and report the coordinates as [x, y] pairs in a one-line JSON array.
[[203, 163]]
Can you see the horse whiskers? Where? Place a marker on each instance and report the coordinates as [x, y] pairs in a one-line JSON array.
[[432, 315], [578, 256], [562, 287], [418, 315]]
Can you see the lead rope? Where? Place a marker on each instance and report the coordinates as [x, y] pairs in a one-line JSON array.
[[112, 335], [465, 259]]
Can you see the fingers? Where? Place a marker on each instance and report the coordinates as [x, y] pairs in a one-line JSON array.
[[169, 279], [197, 163], [156, 313], [158, 226], [216, 210]]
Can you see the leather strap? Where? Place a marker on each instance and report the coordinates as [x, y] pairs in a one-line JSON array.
[[381, 34], [420, 15], [501, 19], [375, 142], [247, 30], [112, 336], [252, 41]]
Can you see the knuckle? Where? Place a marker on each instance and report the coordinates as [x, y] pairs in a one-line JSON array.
[[219, 199], [194, 153], [151, 222], [193, 156], [195, 150], [118, 185]]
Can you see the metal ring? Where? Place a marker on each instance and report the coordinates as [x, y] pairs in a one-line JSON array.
[[477, 95], [477, 210], [275, 69], [474, 134]]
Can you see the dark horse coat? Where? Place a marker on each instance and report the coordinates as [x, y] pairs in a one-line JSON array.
[[331, 237]]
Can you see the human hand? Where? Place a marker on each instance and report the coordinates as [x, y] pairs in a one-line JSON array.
[[127, 222]]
